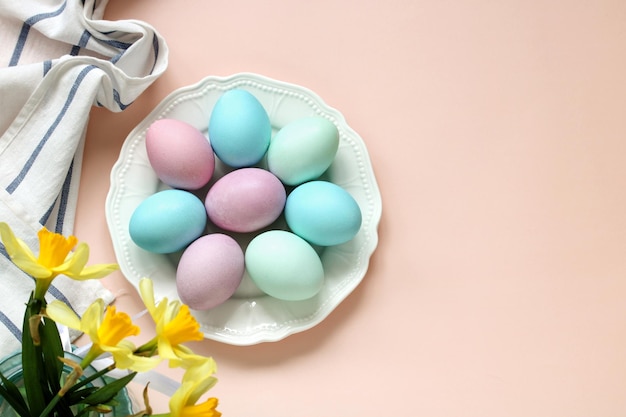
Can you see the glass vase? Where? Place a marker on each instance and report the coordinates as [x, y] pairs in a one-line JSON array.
[[11, 368]]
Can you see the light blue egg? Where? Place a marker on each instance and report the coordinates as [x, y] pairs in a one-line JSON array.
[[239, 129], [323, 213], [167, 221]]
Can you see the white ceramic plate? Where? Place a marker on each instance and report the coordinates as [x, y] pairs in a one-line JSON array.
[[248, 317]]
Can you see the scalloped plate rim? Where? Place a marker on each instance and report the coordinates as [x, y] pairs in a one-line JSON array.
[[272, 331]]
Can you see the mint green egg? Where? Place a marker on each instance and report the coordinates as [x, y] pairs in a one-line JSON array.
[[303, 149], [284, 265]]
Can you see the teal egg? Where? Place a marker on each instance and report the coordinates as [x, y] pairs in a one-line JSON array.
[[239, 129], [322, 213], [167, 221], [284, 266]]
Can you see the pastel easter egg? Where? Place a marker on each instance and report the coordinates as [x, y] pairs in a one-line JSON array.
[[167, 221], [322, 213], [209, 271], [284, 265], [239, 129], [180, 154], [303, 149], [245, 200]]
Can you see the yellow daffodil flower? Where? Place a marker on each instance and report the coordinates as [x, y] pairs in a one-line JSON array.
[[195, 383], [107, 329], [174, 325], [55, 258]]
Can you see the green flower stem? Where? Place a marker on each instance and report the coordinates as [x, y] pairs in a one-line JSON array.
[[50, 406], [93, 353], [148, 349], [41, 288]]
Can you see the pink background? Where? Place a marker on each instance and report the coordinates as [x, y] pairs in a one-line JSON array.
[[497, 135]]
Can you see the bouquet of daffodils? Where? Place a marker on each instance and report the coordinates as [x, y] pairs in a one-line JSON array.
[[48, 390]]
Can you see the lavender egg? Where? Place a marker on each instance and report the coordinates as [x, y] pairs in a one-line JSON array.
[[209, 271]]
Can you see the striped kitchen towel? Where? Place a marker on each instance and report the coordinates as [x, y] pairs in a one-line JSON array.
[[58, 59]]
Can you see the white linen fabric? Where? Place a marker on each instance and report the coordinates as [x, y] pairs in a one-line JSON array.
[[58, 58]]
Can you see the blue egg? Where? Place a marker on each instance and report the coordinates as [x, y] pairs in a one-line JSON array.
[[239, 129], [322, 213], [167, 221]]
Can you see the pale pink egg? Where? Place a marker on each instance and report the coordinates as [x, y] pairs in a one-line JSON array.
[[180, 154]]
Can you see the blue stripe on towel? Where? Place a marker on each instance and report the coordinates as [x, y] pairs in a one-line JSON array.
[[116, 58], [46, 215], [47, 65], [118, 100], [15, 331], [155, 47], [81, 43], [65, 195], [56, 293], [117, 44], [20, 177], [21, 41], [62, 199]]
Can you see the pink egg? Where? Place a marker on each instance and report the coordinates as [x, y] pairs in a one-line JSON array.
[[245, 200], [209, 271], [180, 154]]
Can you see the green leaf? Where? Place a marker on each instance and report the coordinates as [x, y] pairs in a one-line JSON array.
[[13, 396], [109, 391], [86, 380], [52, 350], [75, 397], [32, 364], [52, 341]]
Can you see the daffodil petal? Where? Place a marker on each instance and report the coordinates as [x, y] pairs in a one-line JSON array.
[[200, 387], [178, 400], [146, 290], [20, 253], [165, 350], [207, 367], [63, 314], [33, 269], [172, 310], [92, 319], [181, 404], [10, 241], [95, 271], [124, 358], [74, 262], [201, 370], [25, 251], [192, 361]]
